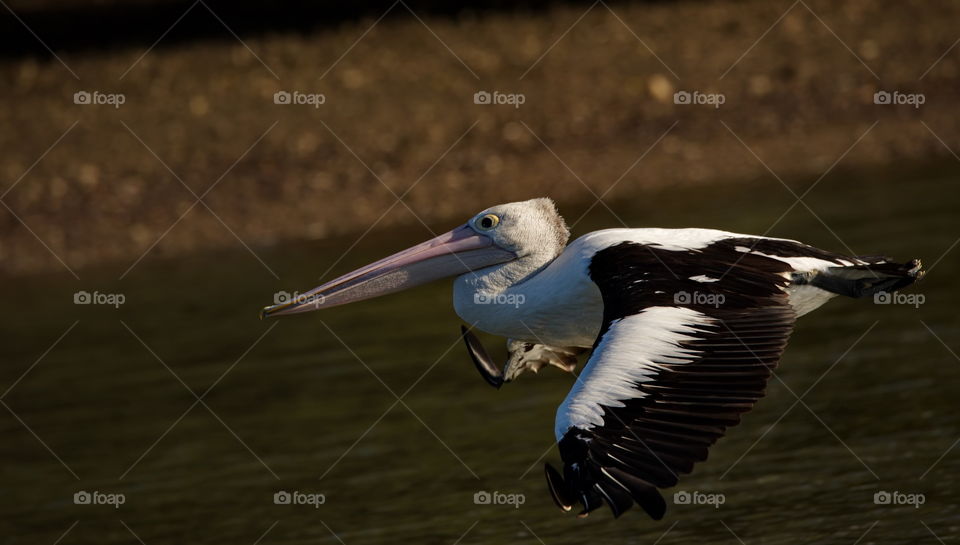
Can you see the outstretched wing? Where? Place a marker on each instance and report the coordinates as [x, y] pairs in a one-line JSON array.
[[690, 337]]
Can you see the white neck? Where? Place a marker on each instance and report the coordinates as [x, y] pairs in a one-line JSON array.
[[533, 299]]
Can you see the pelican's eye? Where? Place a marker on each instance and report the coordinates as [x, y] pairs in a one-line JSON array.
[[488, 222]]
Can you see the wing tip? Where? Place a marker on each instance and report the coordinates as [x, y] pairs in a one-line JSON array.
[[616, 488]]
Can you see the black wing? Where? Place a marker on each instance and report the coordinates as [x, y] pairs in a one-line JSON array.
[[689, 339]]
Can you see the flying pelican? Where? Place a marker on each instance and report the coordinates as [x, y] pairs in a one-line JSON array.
[[683, 329]]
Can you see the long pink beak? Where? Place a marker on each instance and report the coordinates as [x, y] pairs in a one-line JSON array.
[[459, 251]]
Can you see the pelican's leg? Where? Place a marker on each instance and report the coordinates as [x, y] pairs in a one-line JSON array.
[[527, 356]]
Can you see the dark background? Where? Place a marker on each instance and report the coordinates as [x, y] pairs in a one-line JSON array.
[[199, 199]]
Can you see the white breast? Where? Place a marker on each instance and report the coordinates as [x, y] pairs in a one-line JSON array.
[[559, 306]]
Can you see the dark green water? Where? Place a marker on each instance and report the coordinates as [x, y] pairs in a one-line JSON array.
[[314, 410]]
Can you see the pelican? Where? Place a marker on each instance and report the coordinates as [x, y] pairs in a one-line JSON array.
[[682, 328]]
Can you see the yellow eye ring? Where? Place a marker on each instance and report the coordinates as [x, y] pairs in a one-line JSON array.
[[488, 222]]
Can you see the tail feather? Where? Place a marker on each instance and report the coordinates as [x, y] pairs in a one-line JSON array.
[[875, 274]]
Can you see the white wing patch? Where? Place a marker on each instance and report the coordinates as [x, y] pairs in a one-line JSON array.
[[681, 240], [626, 356], [678, 240], [804, 264]]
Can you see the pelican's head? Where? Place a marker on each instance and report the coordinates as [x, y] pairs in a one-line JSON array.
[[495, 236], [524, 228]]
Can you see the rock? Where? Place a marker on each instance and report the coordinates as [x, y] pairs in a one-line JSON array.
[[660, 88]]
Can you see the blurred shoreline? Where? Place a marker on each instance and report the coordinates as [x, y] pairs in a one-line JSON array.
[[599, 117]]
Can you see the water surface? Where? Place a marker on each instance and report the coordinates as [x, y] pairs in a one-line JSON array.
[[310, 404]]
